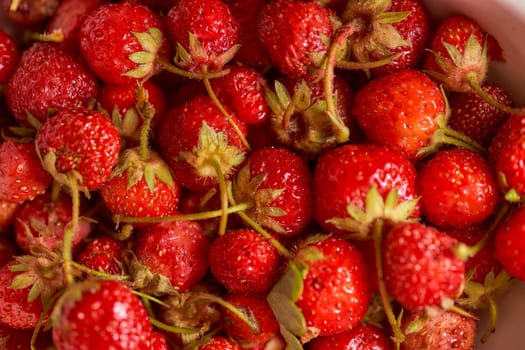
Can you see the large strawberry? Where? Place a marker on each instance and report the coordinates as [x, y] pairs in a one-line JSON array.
[[102, 314], [122, 41], [48, 80]]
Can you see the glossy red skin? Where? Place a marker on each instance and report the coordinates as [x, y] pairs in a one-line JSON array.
[[211, 22], [361, 337], [252, 52], [15, 310], [510, 245], [284, 170], [68, 17], [457, 188], [256, 306], [415, 29], [420, 266], [179, 132], [243, 91], [9, 56], [101, 314], [48, 78], [7, 251], [474, 117], [158, 341], [291, 31], [400, 110], [29, 12], [85, 141], [102, 253], [106, 40], [345, 175], [506, 154], [336, 291], [178, 250], [55, 216], [21, 174], [220, 343], [244, 261]]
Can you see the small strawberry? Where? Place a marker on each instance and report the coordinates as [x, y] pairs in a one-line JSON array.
[[420, 267], [29, 12], [176, 251], [510, 245], [361, 337], [204, 33], [197, 141], [22, 177], [353, 183], [244, 261], [43, 220], [102, 314], [277, 185], [48, 80], [102, 253], [219, 343], [9, 56], [296, 35], [122, 41], [457, 188]]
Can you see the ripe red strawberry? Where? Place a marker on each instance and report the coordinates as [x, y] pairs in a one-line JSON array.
[[296, 35], [103, 253], [42, 221], [16, 310], [176, 250], [122, 41], [243, 91], [7, 251], [119, 102], [9, 56], [474, 117], [510, 245], [400, 110], [158, 341], [420, 267], [29, 12], [204, 33], [244, 261], [277, 184], [220, 343], [102, 314], [81, 142], [7, 215], [375, 38], [48, 80], [344, 177], [361, 337], [457, 188], [257, 309], [196, 134], [67, 19], [506, 154], [22, 177], [140, 187]]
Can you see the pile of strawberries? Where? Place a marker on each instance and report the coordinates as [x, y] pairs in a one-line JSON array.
[[253, 174]]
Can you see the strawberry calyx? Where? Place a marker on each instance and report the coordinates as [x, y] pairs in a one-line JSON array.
[[146, 60], [146, 281], [56, 36]]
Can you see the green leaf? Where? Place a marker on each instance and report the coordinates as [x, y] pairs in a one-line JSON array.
[[282, 94], [292, 342], [149, 177], [142, 57]]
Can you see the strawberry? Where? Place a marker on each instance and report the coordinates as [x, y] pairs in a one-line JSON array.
[[102, 314], [277, 184], [9, 56], [29, 12], [103, 253], [244, 261], [406, 108], [81, 143], [474, 117], [195, 139], [17, 339], [457, 188], [420, 267], [122, 41], [204, 33], [176, 250], [7, 215], [243, 91], [296, 35], [22, 177], [361, 337], [18, 310], [7, 251], [219, 343], [48, 80], [43, 220], [351, 181], [140, 188], [509, 244]]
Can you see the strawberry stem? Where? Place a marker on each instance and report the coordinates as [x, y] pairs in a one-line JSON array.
[[367, 65], [13, 7], [99, 274], [493, 310], [223, 192], [56, 36], [474, 85], [191, 75], [67, 253], [146, 112]]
